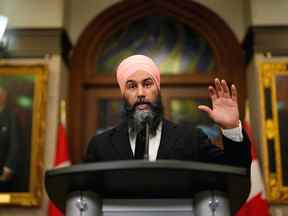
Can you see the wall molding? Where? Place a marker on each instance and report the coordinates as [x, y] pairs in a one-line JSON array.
[[31, 43], [266, 39]]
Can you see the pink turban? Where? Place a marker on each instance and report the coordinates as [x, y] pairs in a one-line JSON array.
[[135, 63]]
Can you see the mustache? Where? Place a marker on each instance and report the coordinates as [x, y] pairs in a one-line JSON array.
[[129, 109], [141, 103]]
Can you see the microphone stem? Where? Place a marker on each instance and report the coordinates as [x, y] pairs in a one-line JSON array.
[[146, 153]]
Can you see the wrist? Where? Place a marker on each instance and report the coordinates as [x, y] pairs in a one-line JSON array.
[[231, 126]]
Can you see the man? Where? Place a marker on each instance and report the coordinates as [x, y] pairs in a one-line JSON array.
[[139, 81], [10, 139]]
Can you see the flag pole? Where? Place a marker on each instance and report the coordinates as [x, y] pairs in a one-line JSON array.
[[63, 112]]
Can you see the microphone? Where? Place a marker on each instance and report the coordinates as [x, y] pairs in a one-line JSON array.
[[147, 120], [146, 151]]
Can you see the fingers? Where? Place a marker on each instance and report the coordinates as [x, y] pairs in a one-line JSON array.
[[226, 91], [218, 86], [222, 90], [212, 93], [234, 92], [205, 109]]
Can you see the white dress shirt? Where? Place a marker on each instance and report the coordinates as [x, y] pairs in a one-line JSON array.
[[234, 134]]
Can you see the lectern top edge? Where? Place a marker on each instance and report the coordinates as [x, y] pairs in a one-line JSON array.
[[159, 164]]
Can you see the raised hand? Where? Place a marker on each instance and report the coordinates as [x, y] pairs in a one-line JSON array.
[[224, 110]]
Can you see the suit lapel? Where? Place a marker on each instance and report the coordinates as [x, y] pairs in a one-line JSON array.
[[168, 139], [121, 143]]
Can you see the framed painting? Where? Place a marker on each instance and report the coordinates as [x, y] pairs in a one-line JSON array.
[[22, 120], [274, 100]]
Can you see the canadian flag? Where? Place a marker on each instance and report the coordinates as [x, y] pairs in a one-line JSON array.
[[61, 153], [256, 204]]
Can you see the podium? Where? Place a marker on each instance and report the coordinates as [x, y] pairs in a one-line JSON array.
[[80, 189]]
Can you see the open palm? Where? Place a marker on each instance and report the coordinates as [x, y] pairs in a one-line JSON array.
[[224, 105]]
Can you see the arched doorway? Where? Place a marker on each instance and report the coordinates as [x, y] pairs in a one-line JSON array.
[[190, 44]]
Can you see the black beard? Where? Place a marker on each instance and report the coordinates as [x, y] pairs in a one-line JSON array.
[[137, 119]]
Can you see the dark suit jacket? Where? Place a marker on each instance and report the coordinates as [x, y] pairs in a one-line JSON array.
[[177, 143], [10, 139]]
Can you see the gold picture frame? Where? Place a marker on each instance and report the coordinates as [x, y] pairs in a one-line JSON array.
[[25, 89], [274, 100]]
